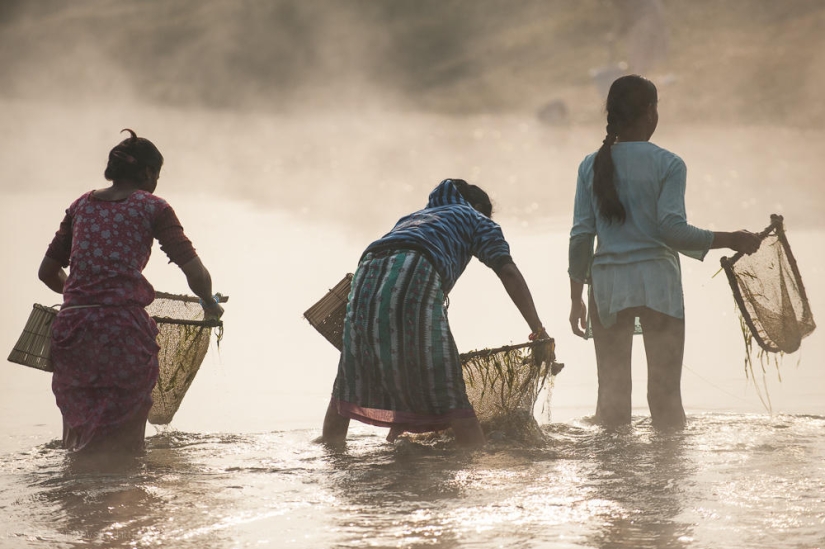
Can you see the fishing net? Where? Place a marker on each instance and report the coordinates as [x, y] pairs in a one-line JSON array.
[[769, 292], [773, 307], [503, 384], [183, 339]]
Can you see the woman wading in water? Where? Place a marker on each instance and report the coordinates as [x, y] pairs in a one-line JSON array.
[[103, 345], [399, 367], [631, 195]]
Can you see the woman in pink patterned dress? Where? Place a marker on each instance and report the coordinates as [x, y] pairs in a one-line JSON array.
[[103, 346]]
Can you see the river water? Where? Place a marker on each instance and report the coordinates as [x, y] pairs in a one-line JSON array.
[[238, 466], [730, 480]]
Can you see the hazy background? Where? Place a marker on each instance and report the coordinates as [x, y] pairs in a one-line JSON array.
[[296, 132]]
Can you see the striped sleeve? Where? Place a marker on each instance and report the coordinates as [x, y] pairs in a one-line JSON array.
[[489, 245]]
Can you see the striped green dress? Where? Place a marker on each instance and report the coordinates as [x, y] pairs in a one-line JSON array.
[[400, 365]]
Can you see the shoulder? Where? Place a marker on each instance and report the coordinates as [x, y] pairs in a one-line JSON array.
[[586, 167], [455, 215], [587, 163], [151, 203], [665, 157], [473, 216], [585, 173], [486, 228], [79, 202], [450, 210], [83, 198]]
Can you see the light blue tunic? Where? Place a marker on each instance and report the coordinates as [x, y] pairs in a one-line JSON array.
[[636, 263]]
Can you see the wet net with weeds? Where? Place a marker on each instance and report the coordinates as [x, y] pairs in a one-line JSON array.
[[503, 385], [771, 300]]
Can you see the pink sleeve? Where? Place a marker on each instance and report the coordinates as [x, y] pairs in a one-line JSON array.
[[173, 242], [60, 248]]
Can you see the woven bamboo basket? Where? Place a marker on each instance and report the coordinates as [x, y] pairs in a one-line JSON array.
[[327, 316], [33, 346]]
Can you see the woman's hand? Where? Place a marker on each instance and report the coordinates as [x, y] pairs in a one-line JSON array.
[[742, 241], [745, 242], [213, 312], [578, 317]]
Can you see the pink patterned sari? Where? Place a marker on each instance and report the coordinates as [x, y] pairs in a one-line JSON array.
[[103, 346]]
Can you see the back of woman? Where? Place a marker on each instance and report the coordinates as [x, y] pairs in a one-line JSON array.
[[648, 181], [399, 366], [630, 195], [111, 245], [104, 299], [103, 345]]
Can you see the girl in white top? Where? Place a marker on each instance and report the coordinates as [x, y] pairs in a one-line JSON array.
[[631, 195]]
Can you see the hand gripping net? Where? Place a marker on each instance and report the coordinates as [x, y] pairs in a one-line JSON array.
[[769, 292]]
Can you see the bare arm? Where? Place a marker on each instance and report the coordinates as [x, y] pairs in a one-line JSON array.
[[518, 291], [52, 274], [200, 282]]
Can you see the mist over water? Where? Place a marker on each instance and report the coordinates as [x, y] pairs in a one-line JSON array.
[[307, 105], [294, 134]]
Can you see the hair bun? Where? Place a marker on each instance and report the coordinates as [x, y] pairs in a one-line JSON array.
[[132, 132]]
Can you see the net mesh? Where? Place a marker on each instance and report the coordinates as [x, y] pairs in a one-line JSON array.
[[769, 292], [184, 340], [503, 386]]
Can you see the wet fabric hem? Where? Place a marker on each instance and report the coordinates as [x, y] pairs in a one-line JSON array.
[[410, 421]]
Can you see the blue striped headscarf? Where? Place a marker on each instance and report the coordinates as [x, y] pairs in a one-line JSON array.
[[450, 232]]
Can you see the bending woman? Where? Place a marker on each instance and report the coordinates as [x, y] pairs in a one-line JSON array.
[[103, 345], [631, 195], [400, 367]]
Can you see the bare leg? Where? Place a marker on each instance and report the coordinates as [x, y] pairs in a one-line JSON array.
[[614, 347], [468, 433], [394, 433], [335, 426], [664, 346]]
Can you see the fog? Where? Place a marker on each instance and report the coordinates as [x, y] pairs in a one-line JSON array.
[[296, 132], [307, 105]]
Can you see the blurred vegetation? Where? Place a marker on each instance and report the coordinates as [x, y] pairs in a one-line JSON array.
[[743, 61]]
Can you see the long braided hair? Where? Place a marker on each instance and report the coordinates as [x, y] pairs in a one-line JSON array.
[[128, 158], [628, 99]]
